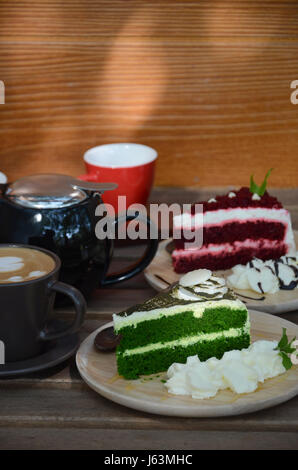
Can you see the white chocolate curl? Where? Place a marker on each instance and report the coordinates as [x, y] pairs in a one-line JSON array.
[[193, 278]]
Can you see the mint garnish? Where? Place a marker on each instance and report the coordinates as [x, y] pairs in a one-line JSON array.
[[260, 190], [286, 361], [285, 347]]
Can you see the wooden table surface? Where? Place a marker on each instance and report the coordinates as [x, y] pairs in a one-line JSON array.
[[56, 410]]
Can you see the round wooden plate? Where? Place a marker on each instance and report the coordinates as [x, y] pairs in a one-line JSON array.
[[150, 395], [160, 274]]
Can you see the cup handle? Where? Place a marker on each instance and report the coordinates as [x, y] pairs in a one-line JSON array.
[[89, 177], [141, 264], [80, 309]]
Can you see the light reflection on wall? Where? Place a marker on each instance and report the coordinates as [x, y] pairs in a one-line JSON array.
[[134, 87]]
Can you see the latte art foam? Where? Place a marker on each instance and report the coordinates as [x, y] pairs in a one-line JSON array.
[[23, 264], [10, 263]]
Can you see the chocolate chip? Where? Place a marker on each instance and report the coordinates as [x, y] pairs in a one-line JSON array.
[[106, 340]]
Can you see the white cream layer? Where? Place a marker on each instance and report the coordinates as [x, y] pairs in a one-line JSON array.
[[193, 221], [188, 341], [197, 308], [230, 247]]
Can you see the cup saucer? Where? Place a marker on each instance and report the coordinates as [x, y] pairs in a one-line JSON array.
[[56, 352]]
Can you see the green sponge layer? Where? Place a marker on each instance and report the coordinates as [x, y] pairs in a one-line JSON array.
[[131, 366], [183, 324]]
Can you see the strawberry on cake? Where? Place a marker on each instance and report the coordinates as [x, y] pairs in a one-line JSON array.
[[237, 227]]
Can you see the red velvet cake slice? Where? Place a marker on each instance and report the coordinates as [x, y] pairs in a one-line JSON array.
[[236, 228]]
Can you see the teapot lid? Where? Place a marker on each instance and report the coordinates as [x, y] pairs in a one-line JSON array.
[[46, 191]]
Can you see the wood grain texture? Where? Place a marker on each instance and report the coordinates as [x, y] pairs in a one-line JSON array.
[[96, 439], [205, 83]]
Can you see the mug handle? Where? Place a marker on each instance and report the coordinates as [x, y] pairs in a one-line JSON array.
[[80, 309], [141, 264]]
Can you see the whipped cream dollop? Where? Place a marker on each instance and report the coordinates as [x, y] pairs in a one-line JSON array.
[[240, 371], [199, 284], [266, 277]]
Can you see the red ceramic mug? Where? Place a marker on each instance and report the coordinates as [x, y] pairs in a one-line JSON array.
[[131, 166]]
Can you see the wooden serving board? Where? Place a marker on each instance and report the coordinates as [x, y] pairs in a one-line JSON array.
[[150, 395], [160, 274]]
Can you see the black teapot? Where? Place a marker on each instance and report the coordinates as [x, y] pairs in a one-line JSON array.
[[57, 212]]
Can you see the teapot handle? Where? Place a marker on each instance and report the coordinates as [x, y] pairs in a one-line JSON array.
[[142, 263], [3, 188]]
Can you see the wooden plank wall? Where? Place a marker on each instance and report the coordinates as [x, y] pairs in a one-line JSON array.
[[207, 83]]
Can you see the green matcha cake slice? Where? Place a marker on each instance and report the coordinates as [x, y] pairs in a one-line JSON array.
[[199, 315]]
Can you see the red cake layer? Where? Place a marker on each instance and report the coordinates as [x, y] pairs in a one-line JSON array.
[[230, 232], [187, 261], [242, 198], [236, 228]]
